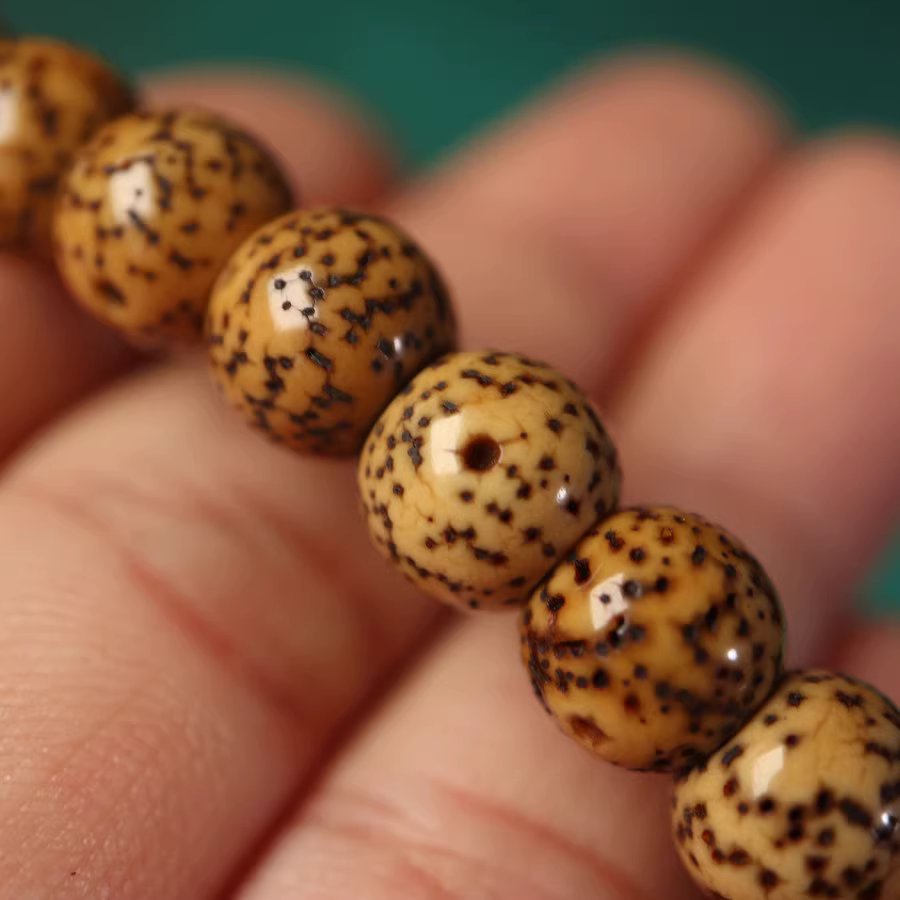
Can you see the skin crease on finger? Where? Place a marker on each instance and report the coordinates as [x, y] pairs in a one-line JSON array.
[[118, 706], [749, 405], [199, 633]]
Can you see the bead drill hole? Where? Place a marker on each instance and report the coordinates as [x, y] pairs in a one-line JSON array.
[[481, 453]]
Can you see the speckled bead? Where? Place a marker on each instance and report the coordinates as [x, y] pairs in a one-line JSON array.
[[803, 802], [654, 639], [150, 212], [319, 319], [52, 99], [482, 473]]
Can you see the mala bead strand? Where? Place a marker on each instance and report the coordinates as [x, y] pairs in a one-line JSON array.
[[651, 635], [482, 473], [151, 210], [319, 319], [53, 97]]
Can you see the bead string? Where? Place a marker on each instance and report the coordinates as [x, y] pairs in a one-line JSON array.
[[652, 636]]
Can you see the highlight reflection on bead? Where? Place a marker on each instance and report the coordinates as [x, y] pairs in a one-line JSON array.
[[319, 320], [150, 212], [484, 472], [654, 639], [803, 801], [53, 97]]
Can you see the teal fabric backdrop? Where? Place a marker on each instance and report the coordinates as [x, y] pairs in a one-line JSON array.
[[436, 70]]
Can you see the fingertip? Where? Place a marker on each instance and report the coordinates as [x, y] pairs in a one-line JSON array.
[[602, 195], [331, 148], [857, 161], [698, 82]]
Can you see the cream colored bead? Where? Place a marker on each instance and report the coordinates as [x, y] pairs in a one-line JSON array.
[[483, 473], [53, 97], [319, 319], [655, 639], [150, 212], [803, 802]]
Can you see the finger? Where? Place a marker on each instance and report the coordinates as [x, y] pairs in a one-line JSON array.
[[765, 401], [470, 804], [460, 788], [447, 800], [870, 650], [51, 354], [587, 212], [209, 617], [246, 571]]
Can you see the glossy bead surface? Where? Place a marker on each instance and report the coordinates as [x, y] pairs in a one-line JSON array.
[[655, 639], [150, 212], [317, 322], [53, 97], [803, 802], [482, 473]]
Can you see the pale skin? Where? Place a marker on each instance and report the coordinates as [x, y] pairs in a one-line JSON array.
[[211, 685]]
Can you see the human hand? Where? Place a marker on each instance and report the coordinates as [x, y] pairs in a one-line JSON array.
[[211, 683]]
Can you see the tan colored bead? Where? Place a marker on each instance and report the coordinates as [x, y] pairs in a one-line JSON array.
[[803, 802], [52, 99], [317, 322], [150, 212], [655, 639], [482, 473]]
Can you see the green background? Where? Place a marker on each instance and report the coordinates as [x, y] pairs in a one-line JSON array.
[[435, 71]]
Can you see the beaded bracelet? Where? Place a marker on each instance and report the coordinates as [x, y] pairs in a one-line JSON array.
[[652, 636]]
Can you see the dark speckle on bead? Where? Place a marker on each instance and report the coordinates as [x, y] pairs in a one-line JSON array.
[[512, 465], [150, 219], [809, 813], [685, 668], [53, 97], [357, 323]]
